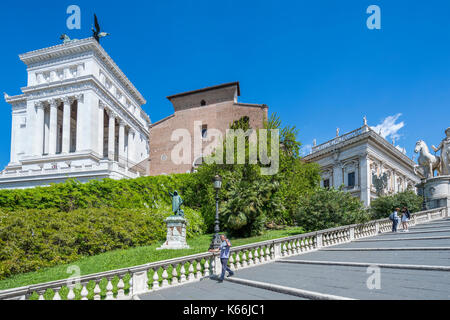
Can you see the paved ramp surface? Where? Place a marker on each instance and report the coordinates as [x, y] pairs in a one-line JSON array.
[[411, 265]]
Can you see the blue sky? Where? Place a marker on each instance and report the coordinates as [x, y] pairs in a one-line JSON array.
[[315, 63]]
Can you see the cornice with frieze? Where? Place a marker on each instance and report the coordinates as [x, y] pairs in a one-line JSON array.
[[80, 46]]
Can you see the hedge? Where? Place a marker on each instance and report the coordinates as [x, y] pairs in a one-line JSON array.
[[144, 192], [32, 239]]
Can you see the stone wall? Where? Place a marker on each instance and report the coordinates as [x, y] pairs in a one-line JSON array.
[[216, 116]]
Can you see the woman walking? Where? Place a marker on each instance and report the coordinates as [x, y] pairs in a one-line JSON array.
[[405, 218]]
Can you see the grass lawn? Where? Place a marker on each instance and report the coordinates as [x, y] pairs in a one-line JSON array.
[[131, 257]]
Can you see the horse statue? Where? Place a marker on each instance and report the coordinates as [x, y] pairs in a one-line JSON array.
[[426, 160]]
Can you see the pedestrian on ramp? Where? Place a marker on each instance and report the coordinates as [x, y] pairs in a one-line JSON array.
[[394, 218], [224, 256]]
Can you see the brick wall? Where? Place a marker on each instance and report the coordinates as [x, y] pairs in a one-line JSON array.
[[217, 115]]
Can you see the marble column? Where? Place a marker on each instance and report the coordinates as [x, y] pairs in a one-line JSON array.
[[365, 179], [338, 176], [53, 127], [111, 135], [13, 158], [121, 141], [39, 132], [66, 125], [82, 118], [131, 149], [101, 125]]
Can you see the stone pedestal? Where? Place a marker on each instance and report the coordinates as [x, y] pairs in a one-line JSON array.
[[176, 233], [436, 192]]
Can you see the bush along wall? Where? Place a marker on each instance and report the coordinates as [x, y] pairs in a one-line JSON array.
[[144, 192], [31, 239]]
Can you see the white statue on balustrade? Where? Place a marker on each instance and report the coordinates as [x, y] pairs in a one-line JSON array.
[[444, 146], [426, 160]]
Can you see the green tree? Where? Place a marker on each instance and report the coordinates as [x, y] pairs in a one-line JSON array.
[[329, 208], [382, 206], [250, 200]]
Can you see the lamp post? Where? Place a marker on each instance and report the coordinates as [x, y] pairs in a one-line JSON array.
[[215, 243]]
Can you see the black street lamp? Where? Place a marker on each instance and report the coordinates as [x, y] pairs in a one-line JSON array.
[[215, 243]]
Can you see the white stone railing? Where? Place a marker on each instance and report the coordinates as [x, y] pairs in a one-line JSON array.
[[339, 139], [127, 282]]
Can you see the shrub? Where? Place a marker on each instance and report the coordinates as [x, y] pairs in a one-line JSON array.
[[329, 208], [33, 239], [381, 207], [248, 206], [144, 192]]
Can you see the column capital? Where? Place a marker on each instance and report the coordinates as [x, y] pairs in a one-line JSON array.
[[39, 104], [67, 100], [53, 103], [101, 104], [364, 156], [122, 123], [111, 113], [131, 131], [79, 97]]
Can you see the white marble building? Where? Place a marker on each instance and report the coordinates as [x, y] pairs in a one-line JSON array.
[[79, 116], [352, 159]]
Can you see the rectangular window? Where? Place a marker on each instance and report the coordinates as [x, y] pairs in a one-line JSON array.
[[351, 179], [326, 183], [204, 131]]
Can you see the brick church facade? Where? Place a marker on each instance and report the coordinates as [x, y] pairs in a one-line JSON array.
[[209, 108]]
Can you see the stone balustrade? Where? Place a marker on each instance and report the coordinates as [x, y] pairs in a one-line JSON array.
[[127, 282]]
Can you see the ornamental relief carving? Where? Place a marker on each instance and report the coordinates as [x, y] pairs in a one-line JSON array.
[[70, 58]]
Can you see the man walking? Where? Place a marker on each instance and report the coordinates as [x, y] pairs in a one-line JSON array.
[[394, 218], [224, 256]]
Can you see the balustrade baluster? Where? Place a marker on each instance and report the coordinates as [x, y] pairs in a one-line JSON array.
[[165, 276], [261, 254], [174, 274], [304, 245], [71, 294], [56, 296], [283, 249], [250, 257], [256, 257], [267, 256], [155, 285], [182, 273], [97, 291], [84, 292], [288, 248], [238, 260], [191, 276], [231, 261], [272, 252], [296, 246], [244, 259], [199, 269], [206, 266], [120, 288], [109, 290], [41, 294]]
